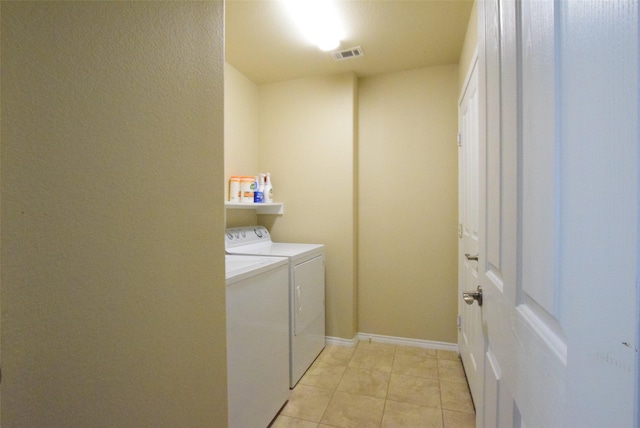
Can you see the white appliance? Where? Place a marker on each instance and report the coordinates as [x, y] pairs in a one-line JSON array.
[[257, 339], [306, 291]]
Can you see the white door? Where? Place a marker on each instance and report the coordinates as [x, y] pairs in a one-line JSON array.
[[470, 336], [558, 238], [497, 262]]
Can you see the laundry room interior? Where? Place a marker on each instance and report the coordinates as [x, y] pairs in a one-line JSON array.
[[122, 123], [367, 166]]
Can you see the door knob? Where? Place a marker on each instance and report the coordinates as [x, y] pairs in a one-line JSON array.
[[470, 257], [470, 296]]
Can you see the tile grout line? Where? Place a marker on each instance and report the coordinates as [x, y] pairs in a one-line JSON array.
[[440, 390], [336, 389], [386, 395]]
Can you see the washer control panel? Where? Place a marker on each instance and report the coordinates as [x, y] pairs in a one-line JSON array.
[[237, 236]]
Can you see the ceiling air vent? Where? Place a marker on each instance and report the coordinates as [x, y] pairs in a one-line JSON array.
[[348, 54]]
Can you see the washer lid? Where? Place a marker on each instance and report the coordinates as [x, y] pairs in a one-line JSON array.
[[238, 268], [292, 251], [255, 240]]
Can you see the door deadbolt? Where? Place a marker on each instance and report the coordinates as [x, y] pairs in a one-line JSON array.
[[470, 296]]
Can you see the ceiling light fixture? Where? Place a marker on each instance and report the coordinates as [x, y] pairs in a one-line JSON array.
[[318, 20]]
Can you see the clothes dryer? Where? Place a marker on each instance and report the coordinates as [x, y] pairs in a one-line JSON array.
[[306, 291]]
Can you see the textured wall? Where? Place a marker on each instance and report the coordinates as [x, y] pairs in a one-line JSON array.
[[468, 48], [113, 307], [408, 204], [240, 137], [307, 141]]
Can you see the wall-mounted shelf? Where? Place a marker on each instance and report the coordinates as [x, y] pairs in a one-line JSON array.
[[261, 208]]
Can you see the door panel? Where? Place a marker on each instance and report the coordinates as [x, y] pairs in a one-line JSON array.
[[558, 236], [539, 147], [599, 215], [490, 139], [542, 360], [470, 337], [498, 204], [524, 373]]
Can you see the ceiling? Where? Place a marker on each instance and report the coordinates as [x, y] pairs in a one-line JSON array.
[[262, 42]]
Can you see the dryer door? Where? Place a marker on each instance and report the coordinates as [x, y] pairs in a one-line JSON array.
[[307, 316], [308, 296]]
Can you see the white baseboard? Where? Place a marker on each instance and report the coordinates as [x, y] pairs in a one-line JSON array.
[[338, 341], [418, 343]]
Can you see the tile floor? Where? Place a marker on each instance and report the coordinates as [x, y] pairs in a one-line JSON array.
[[380, 385]]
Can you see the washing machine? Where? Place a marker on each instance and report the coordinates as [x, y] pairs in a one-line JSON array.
[[257, 304], [306, 291]]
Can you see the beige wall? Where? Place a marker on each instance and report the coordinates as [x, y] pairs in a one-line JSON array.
[[307, 133], [308, 141], [468, 48], [408, 204], [112, 279], [240, 125], [240, 137]]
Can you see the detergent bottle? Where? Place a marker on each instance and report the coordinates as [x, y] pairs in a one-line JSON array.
[[267, 193], [258, 194]]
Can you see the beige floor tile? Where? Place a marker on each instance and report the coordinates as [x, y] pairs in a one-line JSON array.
[[346, 387], [458, 419], [456, 396], [365, 382], [307, 402], [384, 348], [413, 350], [353, 411], [451, 371], [413, 365], [323, 375], [416, 390], [447, 355], [372, 359], [288, 422], [337, 355], [397, 415]]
